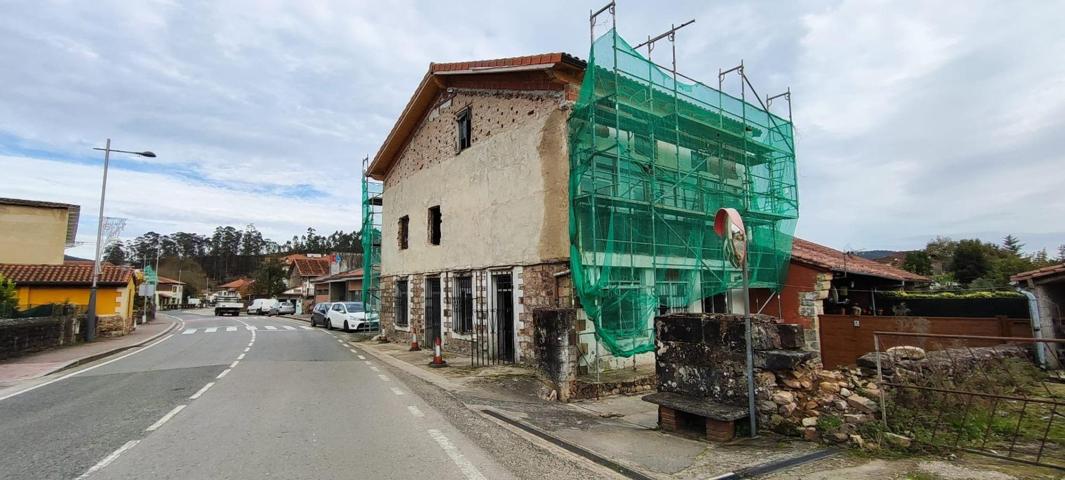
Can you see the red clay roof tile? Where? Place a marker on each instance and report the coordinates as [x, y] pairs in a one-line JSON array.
[[79, 273]]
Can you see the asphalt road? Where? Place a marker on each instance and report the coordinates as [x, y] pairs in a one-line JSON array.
[[226, 401]]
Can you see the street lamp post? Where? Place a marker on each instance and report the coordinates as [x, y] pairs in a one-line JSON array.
[[90, 324]]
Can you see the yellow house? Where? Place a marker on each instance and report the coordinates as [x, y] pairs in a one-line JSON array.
[[34, 232], [70, 282]]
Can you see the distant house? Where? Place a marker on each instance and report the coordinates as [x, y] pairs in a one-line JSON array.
[[342, 286], [36, 233], [242, 286], [169, 291], [822, 280], [1046, 288], [71, 282], [301, 270]]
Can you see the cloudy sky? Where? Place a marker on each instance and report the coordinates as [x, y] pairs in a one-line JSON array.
[[914, 119]]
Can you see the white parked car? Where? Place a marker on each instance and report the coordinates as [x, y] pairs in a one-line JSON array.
[[263, 306], [286, 308], [350, 316]]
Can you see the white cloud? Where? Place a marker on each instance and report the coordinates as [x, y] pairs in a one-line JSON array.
[[913, 118]]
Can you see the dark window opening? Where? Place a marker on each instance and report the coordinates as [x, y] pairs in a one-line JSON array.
[[464, 122], [463, 304], [404, 223], [434, 225], [401, 303]]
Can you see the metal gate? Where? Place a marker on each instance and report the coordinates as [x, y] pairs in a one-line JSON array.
[[492, 337], [979, 394], [432, 311]]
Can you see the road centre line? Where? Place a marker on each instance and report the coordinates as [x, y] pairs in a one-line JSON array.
[[361, 357], [224, 372], [467, 468], [375, 369], [167, 417], [64, 377], [240, 357], [234, 364], [246, 349], [108, 459], [397, 391], [415, 411], [201, 391], [367, 362], [384, 377]]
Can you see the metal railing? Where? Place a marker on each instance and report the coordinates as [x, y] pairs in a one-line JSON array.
[[979, 394]]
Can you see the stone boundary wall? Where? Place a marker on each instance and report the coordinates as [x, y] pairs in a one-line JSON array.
[[21, 336]]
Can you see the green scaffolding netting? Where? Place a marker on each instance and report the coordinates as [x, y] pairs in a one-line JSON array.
[[371, 244], [652, 159]]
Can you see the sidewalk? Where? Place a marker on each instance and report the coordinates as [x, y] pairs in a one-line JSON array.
[[15, 370], [624, 430]]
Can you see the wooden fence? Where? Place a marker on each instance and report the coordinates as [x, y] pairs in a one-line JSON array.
[[844, 338]]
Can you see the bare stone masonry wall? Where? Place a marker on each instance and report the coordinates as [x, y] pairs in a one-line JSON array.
[[20, 336], [703, 356]]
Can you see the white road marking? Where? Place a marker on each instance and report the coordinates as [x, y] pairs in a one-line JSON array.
[[367, 362], [79, 372], [224, 372], [231, 329], [352, 350], [306, 327], [201, 391], [234, 364], [165, 418], [414, 411], [362, 357], [397, 391], [210, 330], [384, 378], [456, 456], [340, 341], [271, 327], [108, 459], [240, 357], [287, 327], [189, 331], [251, 327], [246, 349], [375, 369]]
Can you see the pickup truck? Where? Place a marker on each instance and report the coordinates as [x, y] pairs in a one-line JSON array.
[[228, 305]]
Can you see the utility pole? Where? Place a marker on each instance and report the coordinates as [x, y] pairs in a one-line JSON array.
[[90, 316]]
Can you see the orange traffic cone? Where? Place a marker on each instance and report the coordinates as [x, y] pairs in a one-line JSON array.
[[414, 342], [438, 356]]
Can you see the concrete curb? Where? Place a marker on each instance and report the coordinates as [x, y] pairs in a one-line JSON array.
[[438, 380], [96, 356], [296, 318]]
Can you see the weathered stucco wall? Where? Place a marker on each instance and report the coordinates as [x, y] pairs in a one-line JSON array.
[[32, 235], [502, 200]]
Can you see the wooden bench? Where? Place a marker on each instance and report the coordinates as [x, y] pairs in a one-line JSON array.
[[676, 411]]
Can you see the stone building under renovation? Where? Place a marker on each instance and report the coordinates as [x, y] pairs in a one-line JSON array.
[[519, 183]]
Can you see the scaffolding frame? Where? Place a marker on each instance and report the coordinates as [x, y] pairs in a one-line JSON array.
[[370, 235], [653, 155]]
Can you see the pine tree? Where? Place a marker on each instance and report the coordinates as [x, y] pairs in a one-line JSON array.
[[1012, 244]]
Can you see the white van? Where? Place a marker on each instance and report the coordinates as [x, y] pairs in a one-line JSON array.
[[263, 306]]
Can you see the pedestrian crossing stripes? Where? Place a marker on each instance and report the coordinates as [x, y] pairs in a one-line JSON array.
[[282, 328]]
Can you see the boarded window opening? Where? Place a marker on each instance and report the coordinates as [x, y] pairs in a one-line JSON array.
[[463, 304], [434, 225], [464, 122], [404, 224], [401, 303]]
